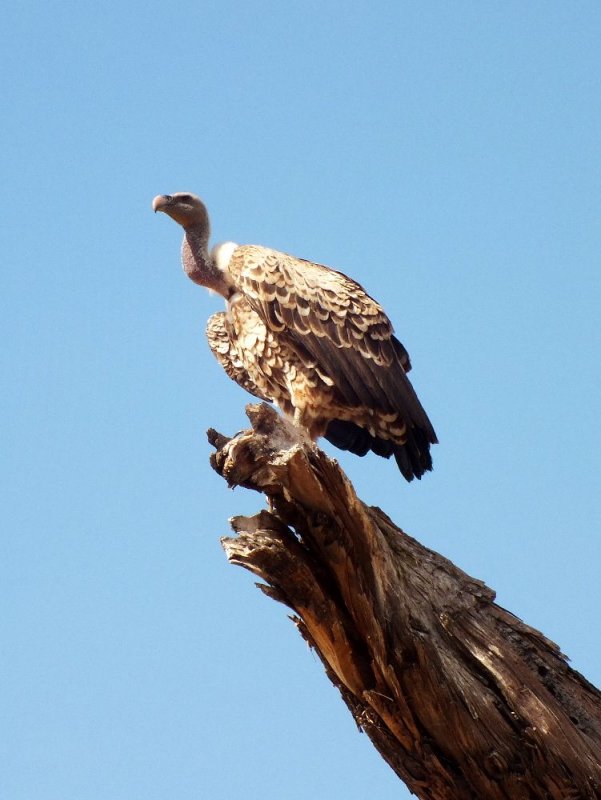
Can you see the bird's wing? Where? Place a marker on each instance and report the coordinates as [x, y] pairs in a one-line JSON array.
[[337, 323], [226, 353]]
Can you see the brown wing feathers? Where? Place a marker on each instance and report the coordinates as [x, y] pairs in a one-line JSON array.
[[334, 322]]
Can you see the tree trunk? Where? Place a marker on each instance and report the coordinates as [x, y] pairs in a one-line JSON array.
[[460, 697]]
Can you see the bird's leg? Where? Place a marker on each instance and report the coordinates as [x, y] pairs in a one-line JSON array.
[[303, 423]]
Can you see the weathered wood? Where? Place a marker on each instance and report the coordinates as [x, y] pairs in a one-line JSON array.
[[460, 697]]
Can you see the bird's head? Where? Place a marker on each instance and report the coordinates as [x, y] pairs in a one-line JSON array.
[[186, 209]]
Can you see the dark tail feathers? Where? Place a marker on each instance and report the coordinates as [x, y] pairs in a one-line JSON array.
[[413, 458]]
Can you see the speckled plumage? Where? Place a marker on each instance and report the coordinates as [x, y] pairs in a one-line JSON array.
[[313, 341]]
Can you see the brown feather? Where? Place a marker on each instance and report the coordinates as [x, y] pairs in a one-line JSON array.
[[346, 331]]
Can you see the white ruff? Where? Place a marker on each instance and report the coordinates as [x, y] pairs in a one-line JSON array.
[[221, 256]]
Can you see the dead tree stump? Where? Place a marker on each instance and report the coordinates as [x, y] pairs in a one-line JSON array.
[[460, 697]]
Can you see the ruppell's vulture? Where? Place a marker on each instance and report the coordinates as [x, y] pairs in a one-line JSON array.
[[309, 339]]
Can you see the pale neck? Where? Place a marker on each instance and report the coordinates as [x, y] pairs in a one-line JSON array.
[[198, 264]]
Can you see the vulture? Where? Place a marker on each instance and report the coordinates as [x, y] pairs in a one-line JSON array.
[[310, 339]]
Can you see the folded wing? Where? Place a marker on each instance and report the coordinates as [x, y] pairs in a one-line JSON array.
[[330, 317]]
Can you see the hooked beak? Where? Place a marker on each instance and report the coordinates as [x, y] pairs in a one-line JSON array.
[[160, 202]]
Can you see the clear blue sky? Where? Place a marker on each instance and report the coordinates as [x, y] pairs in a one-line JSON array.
[[446, 155]]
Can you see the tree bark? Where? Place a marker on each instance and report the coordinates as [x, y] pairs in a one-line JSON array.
[[461, 698]]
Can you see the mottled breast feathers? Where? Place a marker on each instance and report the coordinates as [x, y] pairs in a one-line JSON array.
[[226, 350]]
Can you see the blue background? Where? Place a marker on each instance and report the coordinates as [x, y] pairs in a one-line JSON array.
[[446, 155]]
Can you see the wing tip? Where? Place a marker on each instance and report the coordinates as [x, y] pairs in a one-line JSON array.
[[412, 458]]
